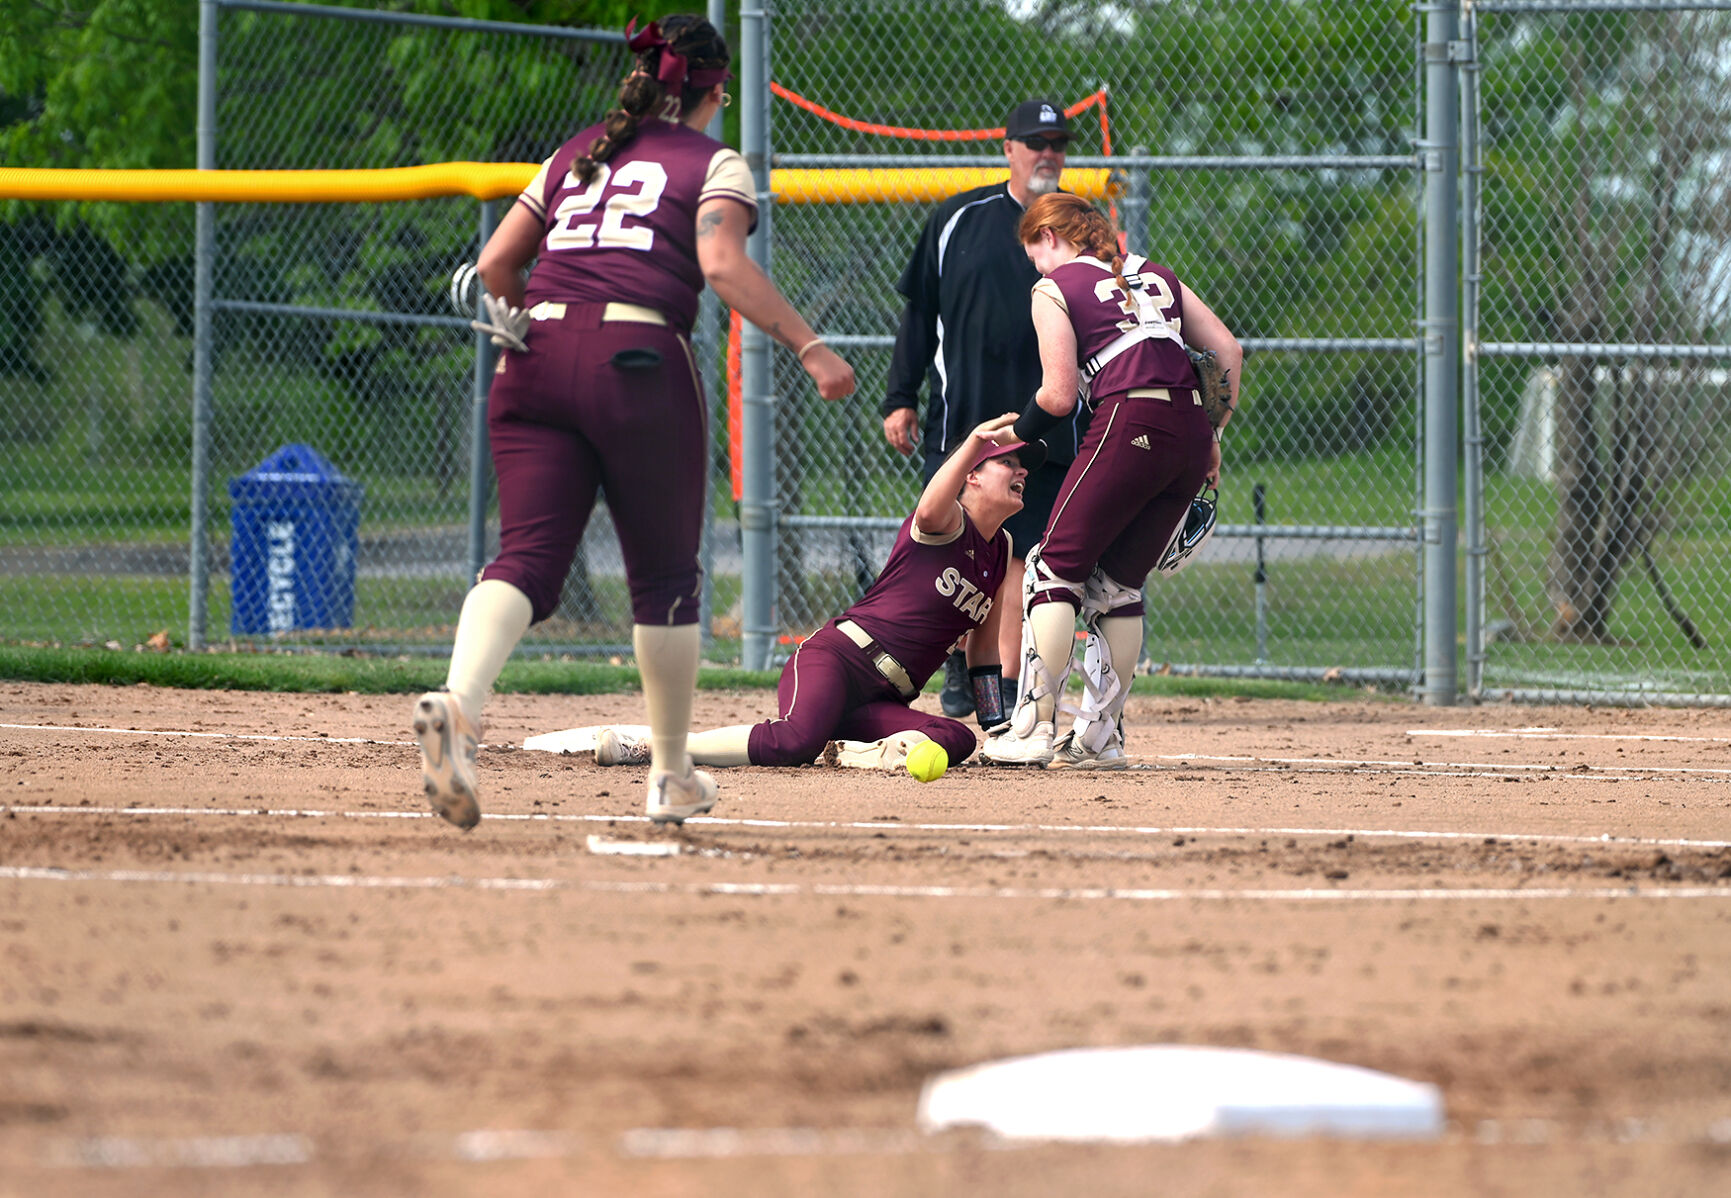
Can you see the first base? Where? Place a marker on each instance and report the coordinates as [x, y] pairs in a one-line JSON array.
[[579, 740], [1169, 1092]]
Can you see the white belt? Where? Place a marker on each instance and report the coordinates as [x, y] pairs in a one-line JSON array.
[[612, 314], [1164, 394], [888, 666]]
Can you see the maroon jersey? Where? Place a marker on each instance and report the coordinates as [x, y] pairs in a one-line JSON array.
[[928, 594], [630, 235], [1086, 289]]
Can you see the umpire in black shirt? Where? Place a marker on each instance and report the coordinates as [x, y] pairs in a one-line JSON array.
[[967, 325]]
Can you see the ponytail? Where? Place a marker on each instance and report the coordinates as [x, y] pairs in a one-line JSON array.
[[1083, 226], [678, 60]]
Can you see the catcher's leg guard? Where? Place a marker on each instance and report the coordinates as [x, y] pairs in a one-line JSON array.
[[1114, 642], [1047, 642]]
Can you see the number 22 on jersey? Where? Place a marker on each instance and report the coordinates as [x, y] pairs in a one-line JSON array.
[[626, 195]]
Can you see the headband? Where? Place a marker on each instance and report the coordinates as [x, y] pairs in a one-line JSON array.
[[673, 72]]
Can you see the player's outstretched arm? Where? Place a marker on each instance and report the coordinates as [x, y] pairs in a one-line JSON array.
[[939, 511], [722, 225]]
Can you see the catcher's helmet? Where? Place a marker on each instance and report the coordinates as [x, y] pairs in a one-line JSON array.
[[1189, 536]]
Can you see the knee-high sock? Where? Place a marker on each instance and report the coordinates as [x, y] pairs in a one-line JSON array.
[[495, 617], [1054, 628], [667, 659], [1009, 630], [721, 746]]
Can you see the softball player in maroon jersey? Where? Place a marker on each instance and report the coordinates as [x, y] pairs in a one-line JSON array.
[[597, 389], [845, 691], [1115, 328]]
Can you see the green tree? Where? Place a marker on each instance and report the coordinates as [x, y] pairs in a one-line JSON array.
[[113, 84], [1608, 170]]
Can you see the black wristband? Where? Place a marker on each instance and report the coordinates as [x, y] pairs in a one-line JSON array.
[[988, 696], [1033, 424]]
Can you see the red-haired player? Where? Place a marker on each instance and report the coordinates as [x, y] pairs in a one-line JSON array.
[[1113, 330]]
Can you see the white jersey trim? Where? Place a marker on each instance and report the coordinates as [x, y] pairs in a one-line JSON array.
[[926, 538], [938, 357], [531, 197], [729, 178]]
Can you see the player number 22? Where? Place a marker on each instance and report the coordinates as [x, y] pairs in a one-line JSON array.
[[632, 191]]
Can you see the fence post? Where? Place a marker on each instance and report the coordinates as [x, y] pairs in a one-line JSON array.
[[1136, 204], [1441, 350], [485, 355], [204, 254], [709, 339], [1472, 427], [757, 513]]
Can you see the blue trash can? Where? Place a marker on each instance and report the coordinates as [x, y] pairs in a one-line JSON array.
[[296, 531]]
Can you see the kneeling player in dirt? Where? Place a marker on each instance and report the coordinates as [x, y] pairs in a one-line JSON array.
[[845, 692]]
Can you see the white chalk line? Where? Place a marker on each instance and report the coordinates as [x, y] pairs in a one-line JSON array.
[[1582, 771], [317, 740], [849, 890], [1432, 768], [481, 1146], [194, 1152], [713, 1143], [1603, 839], [1553, 734]]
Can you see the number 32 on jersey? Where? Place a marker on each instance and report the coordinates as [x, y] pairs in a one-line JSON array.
[[622, 197], [1150, 301]]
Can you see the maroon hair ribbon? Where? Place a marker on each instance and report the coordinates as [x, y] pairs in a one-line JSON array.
[[672, 71]]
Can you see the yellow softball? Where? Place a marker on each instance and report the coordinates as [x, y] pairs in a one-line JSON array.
[[927, 761]]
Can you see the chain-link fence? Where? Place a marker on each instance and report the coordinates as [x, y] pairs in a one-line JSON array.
[[1273, 155], [1600, 144], [1270, 162], [335, 490]]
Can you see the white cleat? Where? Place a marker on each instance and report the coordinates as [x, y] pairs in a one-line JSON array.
[[1070, 754], [448, 746], [1007, 748], [673, 800], [890, 753], [614, 746]]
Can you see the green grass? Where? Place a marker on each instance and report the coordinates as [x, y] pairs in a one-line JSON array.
[[527, 673], [1359, 611]]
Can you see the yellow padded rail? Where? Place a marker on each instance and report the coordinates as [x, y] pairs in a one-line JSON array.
[[484, 181]]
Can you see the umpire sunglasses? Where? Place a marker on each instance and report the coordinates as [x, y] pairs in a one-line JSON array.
[[1038, 144]]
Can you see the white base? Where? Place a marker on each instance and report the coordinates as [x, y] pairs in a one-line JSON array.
[[579, 740], [1178, 1092]]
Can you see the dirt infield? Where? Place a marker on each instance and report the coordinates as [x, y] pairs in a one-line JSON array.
[[237, 957]]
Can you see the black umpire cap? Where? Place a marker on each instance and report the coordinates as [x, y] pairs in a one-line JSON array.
[[1036, 116]]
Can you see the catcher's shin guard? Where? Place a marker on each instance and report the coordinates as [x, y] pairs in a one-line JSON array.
[[1113, 644], [1039, 681]]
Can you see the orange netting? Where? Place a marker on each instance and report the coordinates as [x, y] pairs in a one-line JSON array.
[[847, 122], [735, 404]]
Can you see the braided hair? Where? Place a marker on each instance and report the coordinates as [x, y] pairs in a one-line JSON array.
[[1082, 225], [642, 94]]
